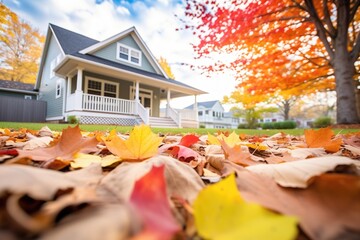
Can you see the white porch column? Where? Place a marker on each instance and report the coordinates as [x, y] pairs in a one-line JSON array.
[[69, 79], [168, 102], [137, 90], [137, 101], [196, 110], [79, 79], [79, 92]]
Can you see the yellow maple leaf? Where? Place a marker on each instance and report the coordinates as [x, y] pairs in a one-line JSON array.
[[82, 160], [141, 144], [232, 140], [212, 140], [257, 146], [221, 213]]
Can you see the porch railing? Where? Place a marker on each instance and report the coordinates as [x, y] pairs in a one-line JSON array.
[[174, 115], [108, 104], [144, 113], [188, 114]]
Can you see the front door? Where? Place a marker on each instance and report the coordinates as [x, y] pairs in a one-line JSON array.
[[145, 97]]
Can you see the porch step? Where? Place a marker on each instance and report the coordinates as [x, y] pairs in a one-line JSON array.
[[162, 122]]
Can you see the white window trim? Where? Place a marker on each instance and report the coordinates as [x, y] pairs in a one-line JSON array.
[[27, 97], [129, 58], [102, 81], [58, 85]]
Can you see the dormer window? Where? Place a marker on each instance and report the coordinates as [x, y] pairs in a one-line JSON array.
[[128, 54]]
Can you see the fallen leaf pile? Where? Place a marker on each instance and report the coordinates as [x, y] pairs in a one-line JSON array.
[[111, 186]]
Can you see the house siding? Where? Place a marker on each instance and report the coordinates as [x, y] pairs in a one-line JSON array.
[[48, 84], [109, 53], [17, 95]]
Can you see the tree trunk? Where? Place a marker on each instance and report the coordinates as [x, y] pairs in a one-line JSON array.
[[346, 109], [286, 106], [344, 70]]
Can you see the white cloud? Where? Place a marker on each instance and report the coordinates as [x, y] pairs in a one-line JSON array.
[[156, 24], [123, 11]]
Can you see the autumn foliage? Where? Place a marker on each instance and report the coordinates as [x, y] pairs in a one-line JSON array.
[[20, 47], [281, 47]]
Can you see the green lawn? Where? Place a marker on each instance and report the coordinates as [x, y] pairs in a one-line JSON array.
[[125, 129]]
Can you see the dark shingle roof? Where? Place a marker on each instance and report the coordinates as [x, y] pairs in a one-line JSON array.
[[16, 85], [208, 104], [72, 43]]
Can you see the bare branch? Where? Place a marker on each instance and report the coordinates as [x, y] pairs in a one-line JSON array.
[[327, 18], [354, 9], [321, 31], [356, 50]]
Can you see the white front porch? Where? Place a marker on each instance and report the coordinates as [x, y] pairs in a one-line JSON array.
[[87, 106], [87, 103]]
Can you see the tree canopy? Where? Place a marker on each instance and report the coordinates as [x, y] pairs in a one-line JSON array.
[[166, 67], [20, 48], [288, 46]]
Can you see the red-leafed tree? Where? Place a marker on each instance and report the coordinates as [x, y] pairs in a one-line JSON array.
[[292, 46]]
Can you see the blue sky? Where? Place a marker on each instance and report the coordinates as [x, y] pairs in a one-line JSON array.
[[154, 19]]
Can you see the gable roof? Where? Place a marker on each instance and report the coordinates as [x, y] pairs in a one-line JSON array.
[[208, 104], [71, 42], [14, 86], [79, 47], [139, 41]]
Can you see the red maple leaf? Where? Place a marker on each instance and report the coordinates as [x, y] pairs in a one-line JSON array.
[[150, 199], [189, 140]]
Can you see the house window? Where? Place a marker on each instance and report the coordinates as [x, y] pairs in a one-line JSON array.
[[128, 54], [101, 87], [53, 64], [58, 89], [213, 114], [200, 113], [27, 97], [207, 112]]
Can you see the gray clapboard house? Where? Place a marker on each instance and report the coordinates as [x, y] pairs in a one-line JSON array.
[[18, 103], [115, 81], [17, 89]]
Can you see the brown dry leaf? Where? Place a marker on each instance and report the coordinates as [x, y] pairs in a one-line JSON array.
[[322, 138], [303, 153], [37, 142], [42, 184], [237, 154], [298, 173], [352, 139], [71, 142], [45, 132], [105, 222], [44, 218], [181, 179], [286, 157], [353, 150], [327, 209]]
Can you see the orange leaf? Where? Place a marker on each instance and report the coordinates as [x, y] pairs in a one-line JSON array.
[[236, 154], [71, 142], [150, 199], [322, 138]]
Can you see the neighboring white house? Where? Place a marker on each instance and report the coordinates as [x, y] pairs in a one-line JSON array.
[[211, 114], [271, 117]]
